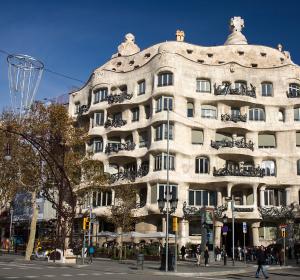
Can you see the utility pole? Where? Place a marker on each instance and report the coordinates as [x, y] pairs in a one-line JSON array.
[[232, 212]]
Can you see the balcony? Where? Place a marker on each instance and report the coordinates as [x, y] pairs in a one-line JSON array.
[[233, 118], [114, 123], [226, 89], [118, 98], [116, 147], [239, 171], [231, 144], [129, 175]]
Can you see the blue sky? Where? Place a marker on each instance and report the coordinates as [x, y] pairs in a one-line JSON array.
[[75, 37]]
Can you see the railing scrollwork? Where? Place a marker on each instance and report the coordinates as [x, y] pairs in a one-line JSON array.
[[114, 123], [252, 172], [129, 175], [241, 143], [118, 98], [116, 147], [233, 118], [226, 88]]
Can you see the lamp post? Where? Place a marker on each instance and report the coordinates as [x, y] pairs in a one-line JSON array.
[[224, 230], [231, 199], [168, 206]]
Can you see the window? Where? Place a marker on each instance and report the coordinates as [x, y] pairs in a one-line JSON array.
[[235, 112], [202, 198], [297, 114], [143, 139], [102, 198], [203, 85], [97, 145], [161, 162], [297, 139], [268, 231], [163, 103], [147, 111], [100, 95], [298, 167], [266, 141], [197, 137], [165, 79], [281, 115], [275, 197], [161, 132], [99, 118], [202, 165], [190, 109], [141, 87], [294, 90], [256, 114], [117, 116], [208, 112], [269, 167], [162, 191], [77, 108], [267, 89], [135, 114], [240, 85]]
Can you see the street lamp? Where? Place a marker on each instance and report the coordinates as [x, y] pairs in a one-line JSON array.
[[224, 230], [168, 206], [231, 199]]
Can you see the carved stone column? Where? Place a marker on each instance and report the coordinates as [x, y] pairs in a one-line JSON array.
[[183, 232], [262, 195], [255, 202], [255, 233], [229, 187], [218, 233]]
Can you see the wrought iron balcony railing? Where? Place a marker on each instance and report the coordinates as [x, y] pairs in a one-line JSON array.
[[116, 147], [277, 212], [292, 94], [233, 118], [130, 175], [118, 98], [114, 123], [234, 143], [249, 172], [226, 88]]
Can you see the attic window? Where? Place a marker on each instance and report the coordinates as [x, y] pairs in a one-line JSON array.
[[241, 52], [136, 66], [200, 61], [113, 69], [210, 55], [131, 62], [189, 51], [254, 65], [119, 63], [147, 55], [263, 54], [281, 59], [221, 62]]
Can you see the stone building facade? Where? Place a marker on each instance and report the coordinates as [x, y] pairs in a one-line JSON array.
[[234, 134]]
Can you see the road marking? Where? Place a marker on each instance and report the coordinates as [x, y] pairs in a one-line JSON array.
[[96, 274], [11, 277], [81, 274], [31, 276], [6, 268], [48, 275], [108, 273]]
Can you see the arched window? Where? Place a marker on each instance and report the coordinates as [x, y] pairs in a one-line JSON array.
[[98, 118], [257, 114], [269, 167], [267, 89], [97, 144], [203, 85], [266, 140], [190, 109], [165, 79], [294, 90], [208, 111], [298, 167], [100, 95], [202, 165], [281, 115]]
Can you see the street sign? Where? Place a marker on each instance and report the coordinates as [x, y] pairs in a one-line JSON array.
[[283, 232], [225, 230], [244, 227]]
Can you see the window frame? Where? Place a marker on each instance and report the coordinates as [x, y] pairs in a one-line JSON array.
[[267, 89], [196, 196], [163, 103], [163, 134], [101, 119], [97, 145], [135, 114], [165, 78], [141, 87], [204, 167], [201, 85], [100, 95], [160, 162], [257, 114]]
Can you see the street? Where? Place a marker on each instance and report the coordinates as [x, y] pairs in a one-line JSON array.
[[115, 270]]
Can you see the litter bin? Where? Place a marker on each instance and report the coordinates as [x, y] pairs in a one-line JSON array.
[[171, 261], [140, 261]]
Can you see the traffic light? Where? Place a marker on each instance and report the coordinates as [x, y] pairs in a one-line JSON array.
[[283, 232], [175, 225], [86, 223]]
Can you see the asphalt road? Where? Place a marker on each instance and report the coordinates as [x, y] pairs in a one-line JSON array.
[[113, 270]]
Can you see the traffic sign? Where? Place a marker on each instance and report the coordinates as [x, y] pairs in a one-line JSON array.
[[283, 232], [225, 230], [244, 227]]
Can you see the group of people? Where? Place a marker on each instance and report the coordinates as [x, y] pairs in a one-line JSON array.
[[198, 253]]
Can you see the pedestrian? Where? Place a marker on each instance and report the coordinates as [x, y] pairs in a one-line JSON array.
[[198, 255], [261, 261], [91, 251], [281, 257], [206, 256], [218, 253], [182, 251]]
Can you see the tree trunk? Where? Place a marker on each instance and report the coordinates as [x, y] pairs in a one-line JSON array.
[[35, 211]]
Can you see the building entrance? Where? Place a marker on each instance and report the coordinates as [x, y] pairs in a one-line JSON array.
[[238, 237]]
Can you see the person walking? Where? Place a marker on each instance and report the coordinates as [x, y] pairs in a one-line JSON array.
[[261, 261], [198, 255], [218, 253], [182, 251], [206, 256], [91, 251]]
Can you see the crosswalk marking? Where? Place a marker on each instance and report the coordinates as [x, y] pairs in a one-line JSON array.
[[48, 275]]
